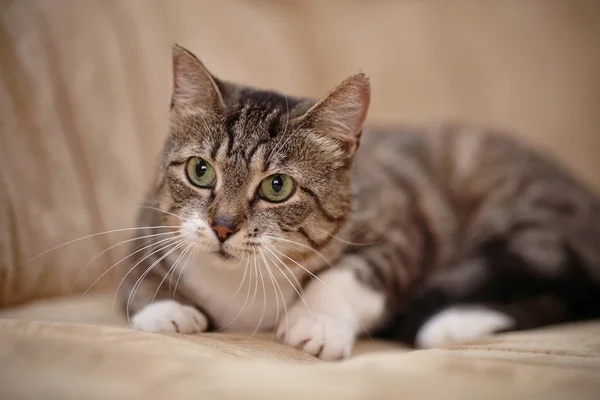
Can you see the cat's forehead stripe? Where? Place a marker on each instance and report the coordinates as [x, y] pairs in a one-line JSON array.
[[248, 128]]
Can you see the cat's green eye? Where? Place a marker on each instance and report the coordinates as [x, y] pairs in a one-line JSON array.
[[201, 173], [276, 188]]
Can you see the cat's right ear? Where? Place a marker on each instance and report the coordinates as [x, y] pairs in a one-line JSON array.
[[193, 85]]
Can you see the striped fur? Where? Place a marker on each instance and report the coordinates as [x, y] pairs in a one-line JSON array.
[[427, 218], [477, 218]]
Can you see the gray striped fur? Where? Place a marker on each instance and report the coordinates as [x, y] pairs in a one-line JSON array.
[[433, 217]]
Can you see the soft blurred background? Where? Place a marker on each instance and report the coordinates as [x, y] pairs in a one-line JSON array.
[[84, 96], [85, 86]]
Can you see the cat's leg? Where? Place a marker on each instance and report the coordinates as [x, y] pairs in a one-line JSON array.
[[336, 308], [169, 316], [525, 279], [466, 322], [473, 300], [450, 308], [153, 306], [462, 323]]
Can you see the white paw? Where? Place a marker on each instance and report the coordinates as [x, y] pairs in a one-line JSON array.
[[460, 324], [325, 336], [169, 316]]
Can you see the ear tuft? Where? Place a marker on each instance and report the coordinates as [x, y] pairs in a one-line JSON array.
[[342, 113], [193, 84]]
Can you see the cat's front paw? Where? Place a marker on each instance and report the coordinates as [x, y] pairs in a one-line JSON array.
[[169, 316], [325, 336]]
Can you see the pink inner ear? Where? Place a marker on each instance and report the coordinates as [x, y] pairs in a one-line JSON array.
[[343, 111]]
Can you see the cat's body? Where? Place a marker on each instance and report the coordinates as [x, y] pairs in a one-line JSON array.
[[430, 236], [481, 220]]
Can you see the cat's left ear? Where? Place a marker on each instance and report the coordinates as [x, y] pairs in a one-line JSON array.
[[342, 113], [193, 85]]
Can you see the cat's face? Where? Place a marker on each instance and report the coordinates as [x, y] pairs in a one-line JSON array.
[[250, 172]]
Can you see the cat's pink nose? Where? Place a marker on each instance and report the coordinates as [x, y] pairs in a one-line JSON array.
[[224, 226], [222, 232]]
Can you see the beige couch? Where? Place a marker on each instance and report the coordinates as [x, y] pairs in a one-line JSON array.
[[84, 91]]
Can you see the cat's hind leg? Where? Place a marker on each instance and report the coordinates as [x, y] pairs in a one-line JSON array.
[[498, 290], [462, 323], [466, 322]]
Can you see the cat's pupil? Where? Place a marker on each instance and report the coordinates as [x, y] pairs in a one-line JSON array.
[[200, 168], [277, 183]]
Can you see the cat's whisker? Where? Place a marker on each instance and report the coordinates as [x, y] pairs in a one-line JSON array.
[[173, 241], [262, 315], [320, 280], [255, 284], [95, 235], [288, 270], [235, 267], [243, 277], [318, 253], [282, 299], [255, 275], [174, 247], [172, 275], [143, 276], [288, 279], [191, 256], [146, 242], [165, 212], [273, 282], [245, 300], [196, 251], [298, 264], [121, 260], [169, 271], [118, 244]]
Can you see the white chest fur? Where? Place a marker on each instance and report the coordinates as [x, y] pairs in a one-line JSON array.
[[238, 302]]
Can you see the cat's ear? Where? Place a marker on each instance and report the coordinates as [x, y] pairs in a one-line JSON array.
[[193, 84], [342, 113]]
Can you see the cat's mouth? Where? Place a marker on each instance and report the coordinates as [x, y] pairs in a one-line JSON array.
[[223, 254]]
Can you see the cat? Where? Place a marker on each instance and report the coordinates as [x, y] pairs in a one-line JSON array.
[[264, 214]]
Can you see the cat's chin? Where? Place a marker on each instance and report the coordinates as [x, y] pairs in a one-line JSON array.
[[219, 252], [225, 255], [220, 259]]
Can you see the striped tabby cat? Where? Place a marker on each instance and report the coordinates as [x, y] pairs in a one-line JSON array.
[[263, 215]]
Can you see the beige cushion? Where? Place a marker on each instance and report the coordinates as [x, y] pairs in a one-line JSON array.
[[67, 360]]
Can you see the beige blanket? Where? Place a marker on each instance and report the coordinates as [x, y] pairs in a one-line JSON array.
[[64, 360]]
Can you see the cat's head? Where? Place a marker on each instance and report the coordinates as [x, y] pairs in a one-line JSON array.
[[248, 170]]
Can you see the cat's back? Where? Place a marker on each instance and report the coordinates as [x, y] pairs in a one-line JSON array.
[[464, 160], [457, 176]]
